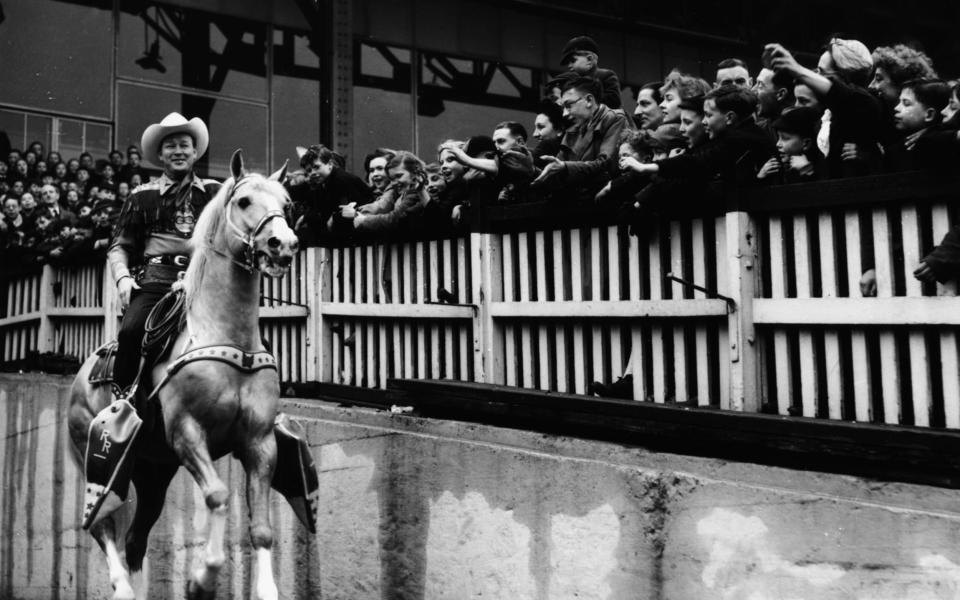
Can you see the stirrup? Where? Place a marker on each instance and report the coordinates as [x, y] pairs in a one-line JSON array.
[[107, 461]]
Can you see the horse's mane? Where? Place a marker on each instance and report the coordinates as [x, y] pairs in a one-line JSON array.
[[208, 225]]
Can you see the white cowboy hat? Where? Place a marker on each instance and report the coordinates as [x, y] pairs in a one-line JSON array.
[[171, 124]]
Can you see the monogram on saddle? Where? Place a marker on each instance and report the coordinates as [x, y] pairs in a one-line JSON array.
[[209, 389]]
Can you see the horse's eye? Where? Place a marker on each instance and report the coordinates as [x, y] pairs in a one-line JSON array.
[[243, 202]]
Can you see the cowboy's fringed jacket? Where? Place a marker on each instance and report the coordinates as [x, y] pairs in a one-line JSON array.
[[158, 219]]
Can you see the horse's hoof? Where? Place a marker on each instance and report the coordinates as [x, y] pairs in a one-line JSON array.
[[195, 592], [123, 592]]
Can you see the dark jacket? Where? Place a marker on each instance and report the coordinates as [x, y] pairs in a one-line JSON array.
[[936, 149], [735, 156], [339, 188], [588, 151], [855, 118]]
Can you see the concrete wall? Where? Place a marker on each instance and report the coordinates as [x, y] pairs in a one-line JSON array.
[[419, 509]]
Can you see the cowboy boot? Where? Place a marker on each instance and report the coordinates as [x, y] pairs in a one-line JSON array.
[[108, 458], [296, 474]]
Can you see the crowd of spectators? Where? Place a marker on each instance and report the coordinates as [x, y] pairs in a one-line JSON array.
[[854, 113], [62, 211]]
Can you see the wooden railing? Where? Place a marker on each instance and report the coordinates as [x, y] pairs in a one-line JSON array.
[[755, 306]]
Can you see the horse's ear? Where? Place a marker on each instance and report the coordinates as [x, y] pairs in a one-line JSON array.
[[281, 174], [236, 164]]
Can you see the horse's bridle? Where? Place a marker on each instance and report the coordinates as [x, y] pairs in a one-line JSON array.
[[249, 263]]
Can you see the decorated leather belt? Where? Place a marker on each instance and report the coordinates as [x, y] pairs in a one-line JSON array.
[[172, 260]]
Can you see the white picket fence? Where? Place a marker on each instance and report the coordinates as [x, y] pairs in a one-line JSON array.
[[784, 329]]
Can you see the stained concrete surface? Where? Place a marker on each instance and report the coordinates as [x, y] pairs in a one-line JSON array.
[[414, 508]]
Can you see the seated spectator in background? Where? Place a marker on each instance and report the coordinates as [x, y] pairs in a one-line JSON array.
[[60, 172], [73, 165], [37, 148], [774, 95], [20, 172], [71, 200], [375, 167], [40, 170], [548, 128], [51, 206], [104, 217], [588, 148], [115, 160], [86, 162], [916, 117], [851, 123], [29, 209], [798, 159], [53, 158], [736, 149], [328, 188], [17, 188], [83, 180], [107, 176], [408, 184], [581, 57], [892, 67], [132, 167], [733, 71], [13, 227], [123, 192]]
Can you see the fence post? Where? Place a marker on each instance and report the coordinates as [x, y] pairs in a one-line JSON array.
[[319, 291], [487, 337], [45, 334], [743, 270]]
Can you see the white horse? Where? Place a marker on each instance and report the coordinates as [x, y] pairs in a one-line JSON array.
[[218, 389]]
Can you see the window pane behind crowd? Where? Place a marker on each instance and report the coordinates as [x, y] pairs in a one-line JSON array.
[[56, 57]]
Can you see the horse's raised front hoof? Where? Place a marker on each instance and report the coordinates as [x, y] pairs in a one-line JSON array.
[[195, 592]]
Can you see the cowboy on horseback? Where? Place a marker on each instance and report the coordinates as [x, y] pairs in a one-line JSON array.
[[148, 254]]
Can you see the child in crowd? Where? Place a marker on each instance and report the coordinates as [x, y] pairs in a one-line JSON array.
[[581, 58], [798, 160]]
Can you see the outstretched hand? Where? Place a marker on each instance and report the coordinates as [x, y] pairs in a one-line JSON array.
[[924, 273]]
